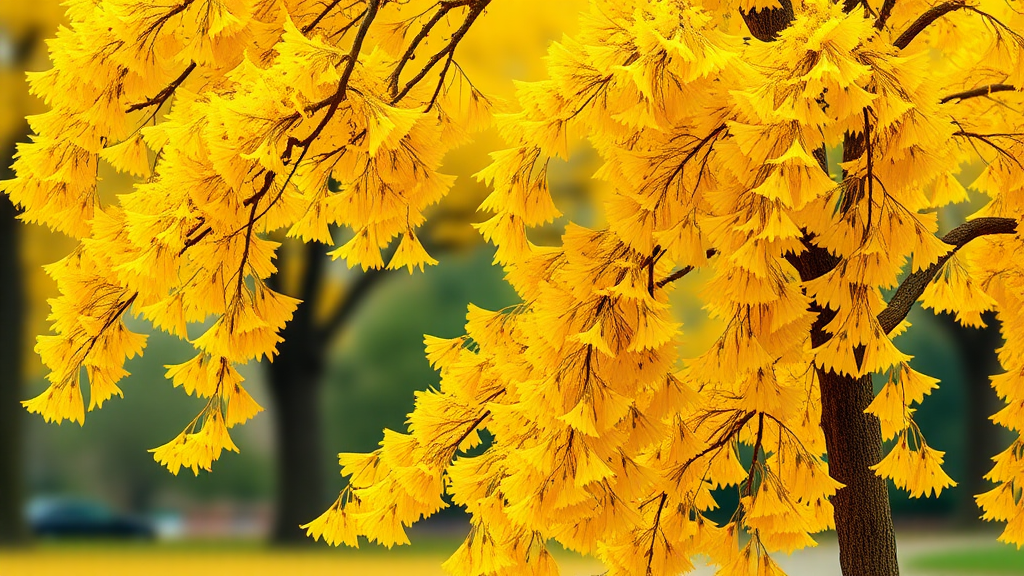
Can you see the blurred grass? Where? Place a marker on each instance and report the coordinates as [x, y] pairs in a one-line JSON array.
[[248, 558], [994, 560]]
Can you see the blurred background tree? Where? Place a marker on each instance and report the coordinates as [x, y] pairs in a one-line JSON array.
[[22, 29]]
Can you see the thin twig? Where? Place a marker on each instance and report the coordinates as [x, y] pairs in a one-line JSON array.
[[164, 94], [722, 440], [757, 449], [986, 138], [682, 271], [475, 9], [654, 531], [410, 52], [309, 27]]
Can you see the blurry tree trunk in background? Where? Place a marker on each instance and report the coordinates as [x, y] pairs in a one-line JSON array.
[[12, 333], [977, 348], [296, 378], [13, 316]]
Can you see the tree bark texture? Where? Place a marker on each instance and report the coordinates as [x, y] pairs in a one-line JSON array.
[[13, 530], [766, 24], [867, 539]]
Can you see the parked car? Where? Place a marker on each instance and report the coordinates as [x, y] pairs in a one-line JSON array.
[[74, 517]]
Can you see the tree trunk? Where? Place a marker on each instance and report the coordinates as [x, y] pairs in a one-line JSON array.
[[13, 528], [295, 381], [766, 24], [12, 318], [977, 347], [867, 540]]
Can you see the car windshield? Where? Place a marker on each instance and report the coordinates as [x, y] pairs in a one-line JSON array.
[[77, 510]]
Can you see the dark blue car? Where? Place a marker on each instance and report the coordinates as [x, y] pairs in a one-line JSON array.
[[70, 517]]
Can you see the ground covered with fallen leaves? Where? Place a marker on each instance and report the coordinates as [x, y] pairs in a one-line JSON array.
[[116, 559]]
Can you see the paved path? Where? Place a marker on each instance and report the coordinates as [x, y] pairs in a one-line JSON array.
[[823, 560]]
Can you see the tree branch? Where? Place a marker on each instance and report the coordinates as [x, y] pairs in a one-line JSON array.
[[164, 94], [410, 52], [476, 7], [883, 14], [757, 449], [475, 424], [334, 101], [979, 91], [323, 14], [654, 531], [924, 20], [722, 440], [342, 92], [987, 139], [682, 271], [914, 285], [814, 261], [693, 152], [341, 314]]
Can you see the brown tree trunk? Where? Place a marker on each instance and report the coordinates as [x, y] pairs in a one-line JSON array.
[[867, 540], [853, 439], [296, 382], [13, 530]]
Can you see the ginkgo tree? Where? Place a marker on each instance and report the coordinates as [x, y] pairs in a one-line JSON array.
[[797, 150]]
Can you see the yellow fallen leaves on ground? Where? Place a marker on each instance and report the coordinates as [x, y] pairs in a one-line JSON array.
[[148, 561]]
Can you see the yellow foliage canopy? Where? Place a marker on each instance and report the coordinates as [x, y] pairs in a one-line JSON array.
[[236, 117]]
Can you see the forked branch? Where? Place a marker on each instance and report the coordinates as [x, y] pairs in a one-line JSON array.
[[410, 52], [323, 14], [476, 8]]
